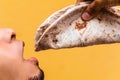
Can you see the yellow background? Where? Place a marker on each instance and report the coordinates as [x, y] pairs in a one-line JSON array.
[[101, 62]]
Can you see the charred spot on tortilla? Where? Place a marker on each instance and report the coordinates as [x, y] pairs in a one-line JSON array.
[[66, 29], [55, 40], [79, 25]]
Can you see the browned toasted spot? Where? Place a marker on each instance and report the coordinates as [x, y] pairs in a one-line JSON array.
[[46, 35], [108, 35], [99, 19], [118, 10], [43, 28], [114, 35], [86, 39], [113, 30], [80, 25], [54, 28], [55, 40]]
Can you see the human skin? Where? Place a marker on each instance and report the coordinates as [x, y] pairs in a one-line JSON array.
[[95, 7], [12, 64]]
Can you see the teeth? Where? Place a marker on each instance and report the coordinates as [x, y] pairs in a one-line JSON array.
[[66, 29]]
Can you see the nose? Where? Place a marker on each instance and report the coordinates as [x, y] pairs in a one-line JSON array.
[[7, 34], [34, 61], [11, 32]]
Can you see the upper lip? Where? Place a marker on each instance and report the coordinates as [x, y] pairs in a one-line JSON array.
[[23, 43], [33, 60]]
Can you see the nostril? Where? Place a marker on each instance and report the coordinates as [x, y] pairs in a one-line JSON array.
[[13, 36], [11, 33]]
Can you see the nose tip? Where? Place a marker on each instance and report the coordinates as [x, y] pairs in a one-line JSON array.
[[6, 34], [34, 61], [10, 31]]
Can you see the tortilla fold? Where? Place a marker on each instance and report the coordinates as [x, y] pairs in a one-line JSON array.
[[66, 29]]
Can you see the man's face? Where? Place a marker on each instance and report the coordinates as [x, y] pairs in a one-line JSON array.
[[12, 64]]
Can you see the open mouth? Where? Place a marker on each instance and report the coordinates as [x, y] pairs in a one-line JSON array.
[[33, 60]]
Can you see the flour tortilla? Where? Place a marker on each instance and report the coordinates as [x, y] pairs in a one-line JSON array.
[[66, 29]]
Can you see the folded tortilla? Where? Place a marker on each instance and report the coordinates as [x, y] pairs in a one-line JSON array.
[[66, 29]]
